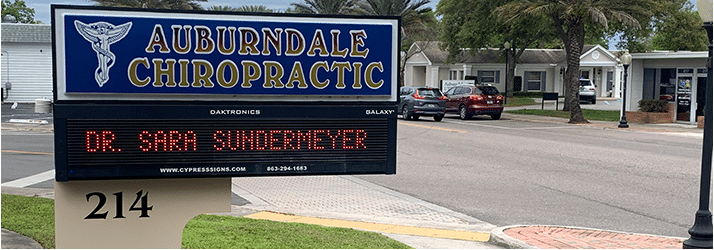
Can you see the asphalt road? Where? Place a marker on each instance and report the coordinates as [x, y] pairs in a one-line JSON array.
[[27, 154], [510, 172]]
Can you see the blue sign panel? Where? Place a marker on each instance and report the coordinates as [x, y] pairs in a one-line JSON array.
[[143, 53]]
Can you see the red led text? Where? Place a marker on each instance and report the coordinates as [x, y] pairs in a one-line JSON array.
[[319, 139], [168, 141], [100, 141]]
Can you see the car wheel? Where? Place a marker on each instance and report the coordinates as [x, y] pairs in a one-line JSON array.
[[496, 116], [594, 100], [438, 118], [463, 113], [405, 113]]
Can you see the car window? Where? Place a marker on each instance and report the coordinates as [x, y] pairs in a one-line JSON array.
[[475, 91], [450, 91], [463, 91], [430, 92], [488, 90], [585, 83]]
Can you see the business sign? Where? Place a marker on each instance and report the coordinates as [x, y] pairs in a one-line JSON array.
[[145, 55], [156, 94]]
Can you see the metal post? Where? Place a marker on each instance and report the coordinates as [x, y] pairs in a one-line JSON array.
[[505, 99], [701, 232], [507, 46], [623, 118]]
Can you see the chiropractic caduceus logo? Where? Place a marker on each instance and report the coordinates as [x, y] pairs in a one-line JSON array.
[[101, 35]]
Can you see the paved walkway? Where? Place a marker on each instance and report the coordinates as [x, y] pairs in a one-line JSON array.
[[347, 201], [555, 237]]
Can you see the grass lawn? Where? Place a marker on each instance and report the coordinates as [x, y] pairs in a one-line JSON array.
[[519, 101], [30, 216], [590, 114], [34, 217]]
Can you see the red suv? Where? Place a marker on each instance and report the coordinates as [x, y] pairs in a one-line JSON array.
[[469, 100]]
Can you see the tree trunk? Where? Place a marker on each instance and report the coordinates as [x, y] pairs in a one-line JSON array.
[[511, 61], [576, 34]]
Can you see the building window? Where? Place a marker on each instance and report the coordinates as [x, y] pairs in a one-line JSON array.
[[489, 76], [454, 75], [535, 80]]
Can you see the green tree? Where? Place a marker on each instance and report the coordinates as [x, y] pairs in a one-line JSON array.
[[672, 25], [153, 4], [418, 21], [569, 21], [475, 24], [19, 10], [680, 30], [334, 7]]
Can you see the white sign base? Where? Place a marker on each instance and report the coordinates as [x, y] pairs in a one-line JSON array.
[[134, 213]]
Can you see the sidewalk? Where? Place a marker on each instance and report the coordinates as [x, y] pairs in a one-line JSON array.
[[349, 202]]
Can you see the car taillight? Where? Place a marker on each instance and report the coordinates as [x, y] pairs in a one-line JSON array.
[[592, 89], [443, 97], [476, 97], [500, 97], [417, 96]]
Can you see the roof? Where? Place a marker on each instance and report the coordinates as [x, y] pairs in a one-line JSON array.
[[531, 56], [26, 33]]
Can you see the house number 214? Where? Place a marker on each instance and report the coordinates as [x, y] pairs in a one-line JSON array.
[[142, 207]]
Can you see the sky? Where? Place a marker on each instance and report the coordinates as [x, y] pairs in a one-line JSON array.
[[42, 7]]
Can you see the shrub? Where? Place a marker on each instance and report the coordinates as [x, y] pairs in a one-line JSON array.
[[656, 106]]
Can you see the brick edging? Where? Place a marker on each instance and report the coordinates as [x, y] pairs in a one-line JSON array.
[[499, 237]]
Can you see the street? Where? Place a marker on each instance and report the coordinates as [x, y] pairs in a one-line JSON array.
[[510, 172]]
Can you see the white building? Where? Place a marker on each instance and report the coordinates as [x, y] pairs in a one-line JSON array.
[[26, 65], [651, 75]]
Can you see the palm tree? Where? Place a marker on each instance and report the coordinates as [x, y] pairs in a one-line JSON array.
[[411, 12], [153, 4], [222, 8], [569, 19], [244, 8], [335, 7], [417, 21], [255, 8]]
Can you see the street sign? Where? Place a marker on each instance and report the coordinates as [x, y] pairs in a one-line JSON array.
[[158, 94]]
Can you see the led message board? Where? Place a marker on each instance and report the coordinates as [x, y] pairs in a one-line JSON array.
[[158, 94]]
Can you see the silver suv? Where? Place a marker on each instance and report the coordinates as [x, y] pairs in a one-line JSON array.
[[421, 101], [588, 91]]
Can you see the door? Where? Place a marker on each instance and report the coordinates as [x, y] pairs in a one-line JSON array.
[[449, 98], [684, 86]]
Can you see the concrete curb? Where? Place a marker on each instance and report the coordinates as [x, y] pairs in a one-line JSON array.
[[500, 238]]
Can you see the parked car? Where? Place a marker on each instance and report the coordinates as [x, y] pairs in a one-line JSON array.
[[470, 100], [421, 101], [588, 91]]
